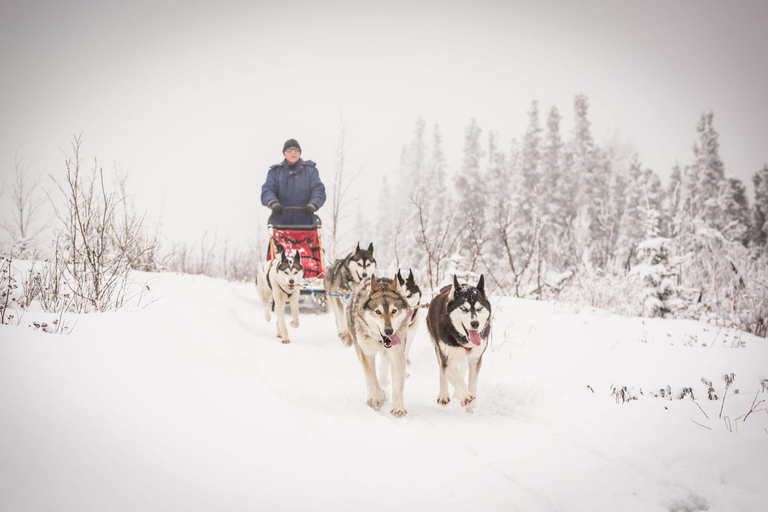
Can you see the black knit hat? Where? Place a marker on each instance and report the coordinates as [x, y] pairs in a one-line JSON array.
[[291, 143]]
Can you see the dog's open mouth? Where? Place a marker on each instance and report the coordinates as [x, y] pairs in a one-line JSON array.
[[391, 340], [473, 335]]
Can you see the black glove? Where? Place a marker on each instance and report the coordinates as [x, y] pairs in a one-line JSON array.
[[277, 208], [309, 208]]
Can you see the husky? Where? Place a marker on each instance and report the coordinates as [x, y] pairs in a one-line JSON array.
[[412, 294], [377, 323], [459, 323], [343, 275], [278, 282]]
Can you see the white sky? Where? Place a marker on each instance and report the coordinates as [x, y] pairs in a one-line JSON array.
[[196, 99]]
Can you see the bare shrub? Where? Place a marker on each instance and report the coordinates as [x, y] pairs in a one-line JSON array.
[[98, 241]]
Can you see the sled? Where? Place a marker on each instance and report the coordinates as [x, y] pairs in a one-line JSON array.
[[308, 241]]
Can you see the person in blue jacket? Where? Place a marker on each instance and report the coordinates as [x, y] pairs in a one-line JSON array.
[[293, 182]]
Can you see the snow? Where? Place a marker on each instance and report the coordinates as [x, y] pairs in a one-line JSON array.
[[190, 403]]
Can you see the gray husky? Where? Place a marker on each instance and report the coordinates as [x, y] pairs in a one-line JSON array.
[[412, 294], [459, 322], [376, 318], [343, 275], [278, 282]]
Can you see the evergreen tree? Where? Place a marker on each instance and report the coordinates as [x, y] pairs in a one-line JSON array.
[[673, 197], [385, 225], [471, 190], [555, 182], [529, 165], [631, 227], [759, 231], [734, 211], [660, 294], [709, 171], [582, 165]]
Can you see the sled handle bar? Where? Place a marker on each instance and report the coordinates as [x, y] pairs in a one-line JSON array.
[[298, 209]]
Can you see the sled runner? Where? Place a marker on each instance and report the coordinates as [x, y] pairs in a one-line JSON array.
[[308, 241]]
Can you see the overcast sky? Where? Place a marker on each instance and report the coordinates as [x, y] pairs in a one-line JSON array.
[[197, 98]]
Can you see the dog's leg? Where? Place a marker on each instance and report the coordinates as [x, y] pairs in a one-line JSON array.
[[282, 330], [409, 342], [457, 381], [384, 371], [265, 298], [397, 361], [295, 310], [443, 398], [376, 395], [338, 312], [474, 371]]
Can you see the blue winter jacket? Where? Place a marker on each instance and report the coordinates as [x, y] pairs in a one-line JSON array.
[[296, 187]]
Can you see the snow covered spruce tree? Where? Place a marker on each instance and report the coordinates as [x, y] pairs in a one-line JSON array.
[[660, 295], [471, 191], [553, 175], [759, 224]]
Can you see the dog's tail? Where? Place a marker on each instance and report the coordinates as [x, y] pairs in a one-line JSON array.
[[346, 339]]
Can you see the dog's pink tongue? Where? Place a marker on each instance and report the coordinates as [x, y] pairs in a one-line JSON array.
[[393, 340], [474, 337]]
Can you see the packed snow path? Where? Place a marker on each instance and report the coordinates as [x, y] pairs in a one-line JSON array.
[[191, 403]]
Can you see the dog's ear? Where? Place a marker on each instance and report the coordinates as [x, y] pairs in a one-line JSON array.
[[279, 249], [455, 287], [297, 258], [481, 285], [399, 278], [283, 257], [396, 282], [357, 249], [374, 284], [370, 248], [411, 280]]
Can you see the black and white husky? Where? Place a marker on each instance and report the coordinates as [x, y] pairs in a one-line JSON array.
[[341, 277], [376, 320], [459, 323], [278, 282], [412, 293]]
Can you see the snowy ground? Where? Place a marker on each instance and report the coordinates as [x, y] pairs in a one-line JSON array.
[[192, 404]]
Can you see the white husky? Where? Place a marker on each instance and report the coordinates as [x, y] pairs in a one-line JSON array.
[[278, 282]]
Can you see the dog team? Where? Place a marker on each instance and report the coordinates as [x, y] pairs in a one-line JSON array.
[[379, 316]]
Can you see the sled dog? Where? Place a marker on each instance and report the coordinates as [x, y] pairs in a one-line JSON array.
[[343, 275], [278, 282], [459, 323], [412, 294], [377, 324]]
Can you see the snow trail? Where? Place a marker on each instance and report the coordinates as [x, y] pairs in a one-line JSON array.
[[193, 404]]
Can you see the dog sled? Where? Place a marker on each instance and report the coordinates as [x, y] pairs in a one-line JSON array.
[[308, 241]]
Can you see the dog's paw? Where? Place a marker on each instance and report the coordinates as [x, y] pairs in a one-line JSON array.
[[467, 400], [443, 400], [295, 324], [286, 341], [399, 411], [375, 404]]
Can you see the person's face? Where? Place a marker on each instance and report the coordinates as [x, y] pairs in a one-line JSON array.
[[292, 155]]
